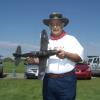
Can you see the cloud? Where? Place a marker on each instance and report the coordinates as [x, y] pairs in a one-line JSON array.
[[7, 44], [92, 48], [8, 47]]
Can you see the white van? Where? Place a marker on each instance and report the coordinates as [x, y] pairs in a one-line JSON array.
[[94, 63], [31, 71]]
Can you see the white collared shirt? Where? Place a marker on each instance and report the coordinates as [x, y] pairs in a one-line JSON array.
[[67, 43]]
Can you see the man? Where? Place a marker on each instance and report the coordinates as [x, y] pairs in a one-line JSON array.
[[59, 82]]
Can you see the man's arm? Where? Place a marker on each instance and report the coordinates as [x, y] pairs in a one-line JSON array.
[[72, 56]]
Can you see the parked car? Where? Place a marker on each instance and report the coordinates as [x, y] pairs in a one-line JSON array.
[[83, 71], [94, 63], [1, 68], [31, 71]]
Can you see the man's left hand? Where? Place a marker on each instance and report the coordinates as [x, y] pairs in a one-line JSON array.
[[61, 54]]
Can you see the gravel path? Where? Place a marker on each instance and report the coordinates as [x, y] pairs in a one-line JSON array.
[[12, 75]]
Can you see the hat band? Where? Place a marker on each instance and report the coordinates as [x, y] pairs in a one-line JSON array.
[[55, 17]]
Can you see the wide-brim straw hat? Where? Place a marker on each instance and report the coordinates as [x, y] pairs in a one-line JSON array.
[[54, 16]]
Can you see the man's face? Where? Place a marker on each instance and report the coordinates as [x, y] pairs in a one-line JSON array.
[[56, 27]]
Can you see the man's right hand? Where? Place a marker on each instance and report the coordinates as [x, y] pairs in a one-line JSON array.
[[31, 60]]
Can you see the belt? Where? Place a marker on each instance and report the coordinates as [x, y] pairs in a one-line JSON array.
[[51, 75]]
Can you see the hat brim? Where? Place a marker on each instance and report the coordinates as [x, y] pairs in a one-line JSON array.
[[64, 20]]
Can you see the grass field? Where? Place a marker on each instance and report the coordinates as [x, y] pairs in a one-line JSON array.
[[9, 66], [20, 89], [23, 89], [88, 89]]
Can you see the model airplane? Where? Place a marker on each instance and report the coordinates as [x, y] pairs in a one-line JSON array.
[[43, 54]]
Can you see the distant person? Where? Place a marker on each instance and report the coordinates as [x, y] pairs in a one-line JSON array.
[[59, 82]]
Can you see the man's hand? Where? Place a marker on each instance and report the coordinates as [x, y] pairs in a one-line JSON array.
[[31, 60], [72, 56], [61, 54]]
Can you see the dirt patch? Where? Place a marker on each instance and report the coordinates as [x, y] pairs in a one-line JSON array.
[[13, 75]]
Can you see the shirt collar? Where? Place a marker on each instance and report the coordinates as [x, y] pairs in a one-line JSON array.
[[57, 37]]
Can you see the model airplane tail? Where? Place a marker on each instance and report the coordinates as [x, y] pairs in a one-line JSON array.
[[17, 58]]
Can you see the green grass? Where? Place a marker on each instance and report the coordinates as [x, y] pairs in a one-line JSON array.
[[22, 89], [9, 66], [14, 89], [88, 89]]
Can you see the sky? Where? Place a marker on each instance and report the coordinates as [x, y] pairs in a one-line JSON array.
[[21, 23]]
